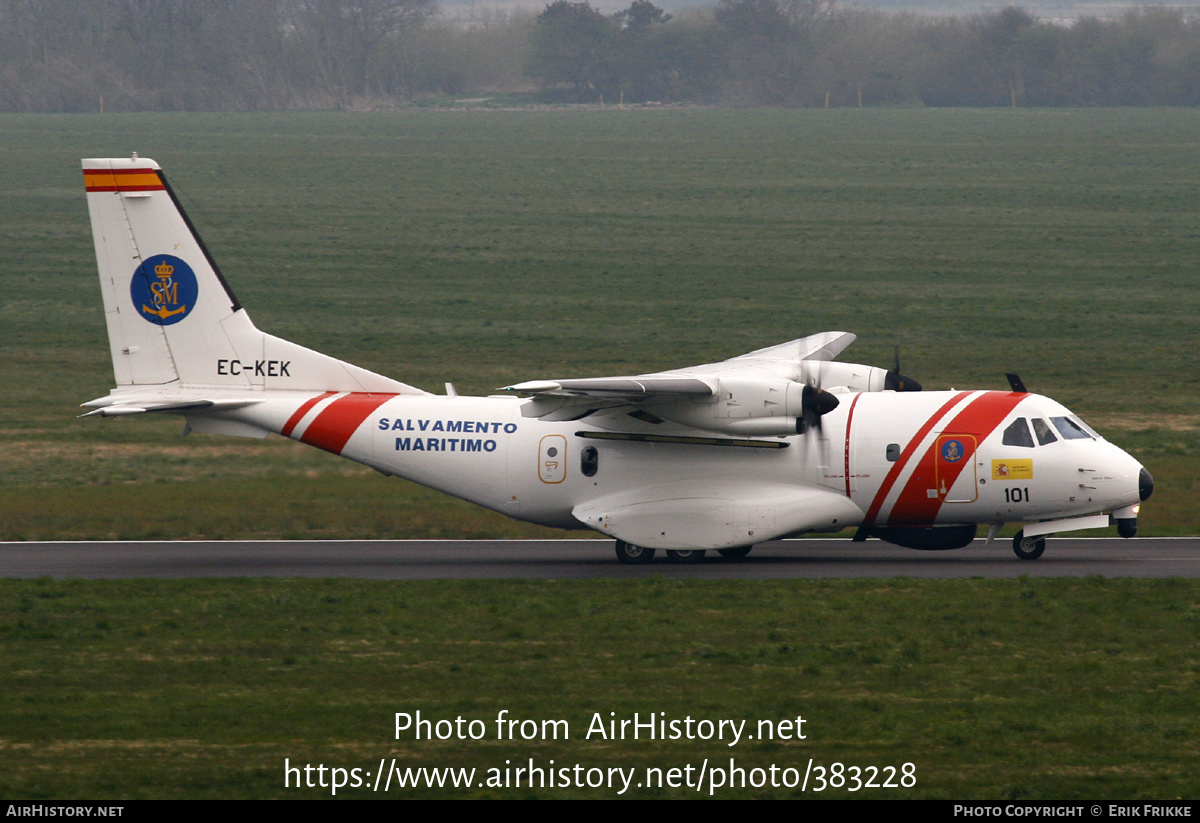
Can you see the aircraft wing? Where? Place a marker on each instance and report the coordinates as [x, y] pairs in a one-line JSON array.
[[633, 389], [782, 360], [576, 398]]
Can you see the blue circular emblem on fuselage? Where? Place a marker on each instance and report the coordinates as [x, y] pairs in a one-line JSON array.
[[163, 289], [952, 451]]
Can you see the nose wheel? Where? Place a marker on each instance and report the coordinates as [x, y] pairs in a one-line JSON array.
[[1028, 548]]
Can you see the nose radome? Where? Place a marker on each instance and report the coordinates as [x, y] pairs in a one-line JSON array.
[[1145, 484]]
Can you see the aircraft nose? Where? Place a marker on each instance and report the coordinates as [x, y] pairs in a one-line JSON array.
[[1145, 484]]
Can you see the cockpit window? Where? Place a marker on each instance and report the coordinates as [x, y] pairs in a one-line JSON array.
[[1069, 429], [1017, 434], [1044, 433], [1074, 418]]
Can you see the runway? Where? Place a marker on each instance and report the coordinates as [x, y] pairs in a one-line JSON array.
[[587, 559]]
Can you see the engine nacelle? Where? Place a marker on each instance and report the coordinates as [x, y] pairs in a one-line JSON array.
[[745, 406], [828, 374], [753, 407], [749, 426]]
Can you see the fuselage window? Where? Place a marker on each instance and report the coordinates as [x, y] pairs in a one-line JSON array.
[[589, 461], [893, 452], [1043, 431], [1017, 434]]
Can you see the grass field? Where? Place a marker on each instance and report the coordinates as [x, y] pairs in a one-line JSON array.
[[489, 247], [1016, 689]]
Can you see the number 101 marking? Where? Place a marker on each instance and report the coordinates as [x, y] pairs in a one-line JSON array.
[[1016, 495]]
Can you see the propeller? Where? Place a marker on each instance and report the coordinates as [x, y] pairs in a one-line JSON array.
[[814, 403], [895, 381]]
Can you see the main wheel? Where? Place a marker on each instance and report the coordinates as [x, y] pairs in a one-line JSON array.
[[735, 554], [633, 555], [685, 555], [1028, 548]]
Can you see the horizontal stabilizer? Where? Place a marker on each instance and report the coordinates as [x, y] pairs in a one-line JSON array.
[[120, 407]]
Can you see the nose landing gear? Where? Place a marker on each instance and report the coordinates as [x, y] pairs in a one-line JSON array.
[[1028, 548]]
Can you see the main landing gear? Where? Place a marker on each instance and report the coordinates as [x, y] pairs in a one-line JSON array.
[[636, 555], [633, 555], [1028, 548]]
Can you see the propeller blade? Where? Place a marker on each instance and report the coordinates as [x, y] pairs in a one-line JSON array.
[[895, 381]]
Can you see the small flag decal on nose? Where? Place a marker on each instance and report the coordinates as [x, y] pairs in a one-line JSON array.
[[1012, 469]]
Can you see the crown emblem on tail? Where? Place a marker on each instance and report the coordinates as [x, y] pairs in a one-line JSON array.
[[169, 295]]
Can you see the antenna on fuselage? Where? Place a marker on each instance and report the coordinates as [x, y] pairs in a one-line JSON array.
[[1014, 380]]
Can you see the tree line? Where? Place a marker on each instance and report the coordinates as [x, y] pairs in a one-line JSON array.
[[215, 55]]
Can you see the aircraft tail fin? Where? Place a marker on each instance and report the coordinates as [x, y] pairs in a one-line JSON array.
[[172, 319]]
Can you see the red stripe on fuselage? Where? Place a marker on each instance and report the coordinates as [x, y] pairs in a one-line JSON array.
[[846, 450], [899, 466], [914, 506], [338, 421], [286, 431]]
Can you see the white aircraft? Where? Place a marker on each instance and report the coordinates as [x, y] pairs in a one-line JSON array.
[[781, 441]]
